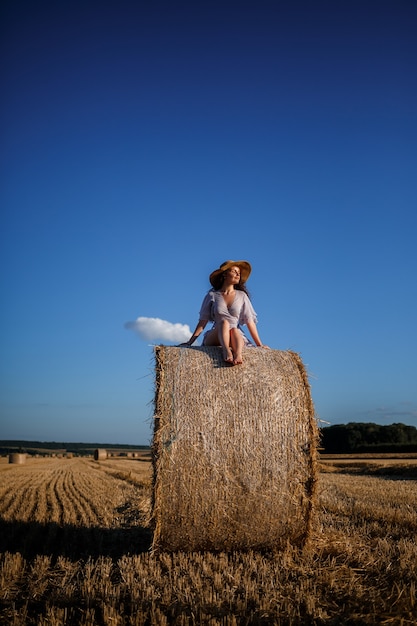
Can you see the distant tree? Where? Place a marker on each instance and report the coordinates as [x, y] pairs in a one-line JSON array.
[[362, 437]]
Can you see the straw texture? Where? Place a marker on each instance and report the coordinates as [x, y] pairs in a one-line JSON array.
[[234, 450]]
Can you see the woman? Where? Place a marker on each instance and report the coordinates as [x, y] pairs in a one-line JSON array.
[[229, 307]]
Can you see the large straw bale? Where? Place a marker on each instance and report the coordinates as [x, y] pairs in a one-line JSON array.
[[17, 458], [100, 454], [234, 450]]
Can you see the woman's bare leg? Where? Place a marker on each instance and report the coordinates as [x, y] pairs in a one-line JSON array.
[[224, 337], [238, 343], [211, 338], [220, 336]]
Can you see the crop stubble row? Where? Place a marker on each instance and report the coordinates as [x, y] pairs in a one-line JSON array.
[[62, 492]]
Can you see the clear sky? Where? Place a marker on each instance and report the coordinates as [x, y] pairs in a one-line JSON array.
[[143, 143]]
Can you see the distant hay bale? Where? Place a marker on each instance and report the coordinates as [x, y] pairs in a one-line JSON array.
[[17, 458], [100, 454], [234, 450], [69, 455]]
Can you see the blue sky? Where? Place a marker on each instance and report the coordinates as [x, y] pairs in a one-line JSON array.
[[146, 142]]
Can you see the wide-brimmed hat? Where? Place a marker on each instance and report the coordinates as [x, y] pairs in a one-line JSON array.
[[244, 266]]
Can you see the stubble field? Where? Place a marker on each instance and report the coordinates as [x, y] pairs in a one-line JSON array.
[[75, 538]]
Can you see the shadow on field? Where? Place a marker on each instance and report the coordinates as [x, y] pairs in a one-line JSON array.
[[371, 468], [73, 542]]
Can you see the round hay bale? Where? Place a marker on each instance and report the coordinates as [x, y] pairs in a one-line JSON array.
[[234, 450], [17, 458], [100, 454]]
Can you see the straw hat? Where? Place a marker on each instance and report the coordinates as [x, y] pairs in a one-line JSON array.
[[244, 266]]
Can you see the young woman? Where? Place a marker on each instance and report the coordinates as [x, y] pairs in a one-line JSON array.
[[229, 307]]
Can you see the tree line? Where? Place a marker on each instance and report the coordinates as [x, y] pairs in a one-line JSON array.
[[356, 437], [33, 447]]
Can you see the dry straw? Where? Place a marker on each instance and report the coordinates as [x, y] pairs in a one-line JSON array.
[[100, 454], [234, 450], [17, 458]]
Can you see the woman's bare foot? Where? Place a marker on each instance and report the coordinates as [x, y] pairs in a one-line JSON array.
[[228, 356], [238, 360]]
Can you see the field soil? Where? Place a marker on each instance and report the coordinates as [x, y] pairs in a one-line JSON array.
[[75, 549]]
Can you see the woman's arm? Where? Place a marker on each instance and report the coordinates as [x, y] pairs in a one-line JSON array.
[[254, 334], [198, 330]]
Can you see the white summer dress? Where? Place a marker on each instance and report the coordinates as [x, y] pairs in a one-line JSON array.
[[214, 309]]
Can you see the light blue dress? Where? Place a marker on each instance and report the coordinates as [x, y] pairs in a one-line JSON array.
[[214, 309]]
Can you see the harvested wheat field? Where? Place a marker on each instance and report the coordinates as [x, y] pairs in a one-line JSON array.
[[235, 450], [75, 539]]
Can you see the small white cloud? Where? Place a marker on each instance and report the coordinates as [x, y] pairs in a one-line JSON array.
[[155, 329]]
